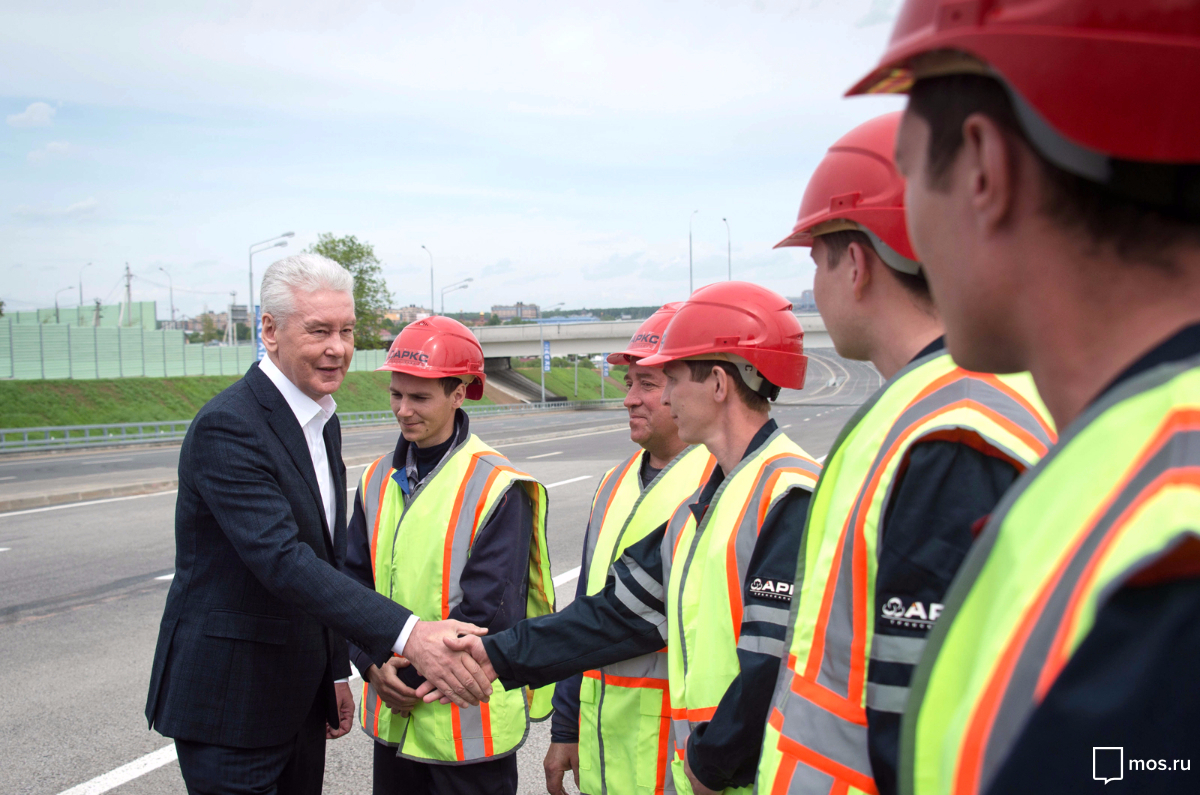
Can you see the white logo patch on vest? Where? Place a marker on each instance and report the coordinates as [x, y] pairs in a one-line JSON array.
[[915, 615], [771, 589]]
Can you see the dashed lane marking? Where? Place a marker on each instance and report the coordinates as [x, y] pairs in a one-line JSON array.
[[5, 549], [543, 455], [566, 577], [166, 577], [565, 482], [125, 773], [9, 477]]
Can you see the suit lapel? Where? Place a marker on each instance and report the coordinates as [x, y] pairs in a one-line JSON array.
[[285, 425]]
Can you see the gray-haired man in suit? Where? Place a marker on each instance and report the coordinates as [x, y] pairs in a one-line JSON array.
[[250, 672]]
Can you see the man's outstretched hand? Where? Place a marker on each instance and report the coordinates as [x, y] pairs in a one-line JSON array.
[[469, 647], [455, 674]]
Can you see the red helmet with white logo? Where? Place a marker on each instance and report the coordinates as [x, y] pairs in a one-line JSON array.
[[857, 186], [1109, 78], [645, 340], [438, 347], [742, 323]]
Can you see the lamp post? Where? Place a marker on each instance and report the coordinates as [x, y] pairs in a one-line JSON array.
[[690, 217], [451, 288], [542, 347], [63, 290], [81, 270], [170, 292], [275, 242], [432, 305], [729, 248]]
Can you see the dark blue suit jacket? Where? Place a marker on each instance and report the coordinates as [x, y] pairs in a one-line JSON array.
[[256, 618]]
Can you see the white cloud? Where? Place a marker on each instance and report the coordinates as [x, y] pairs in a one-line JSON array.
[[76, 210], [38, 114], [51, 149]]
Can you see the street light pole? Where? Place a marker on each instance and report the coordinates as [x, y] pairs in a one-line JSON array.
[[729, 248], [690, 285], [63, 290], [542, 347], [432, 305], [170, 292], [81, 270], [451, 288], [250, 303]]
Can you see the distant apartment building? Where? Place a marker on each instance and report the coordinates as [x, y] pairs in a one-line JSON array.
[[517, 311], [407, 314]]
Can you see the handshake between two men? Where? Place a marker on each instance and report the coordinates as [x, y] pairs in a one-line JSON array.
[[450, 658]]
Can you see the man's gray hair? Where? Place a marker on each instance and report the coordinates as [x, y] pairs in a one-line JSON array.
[[305, 272]]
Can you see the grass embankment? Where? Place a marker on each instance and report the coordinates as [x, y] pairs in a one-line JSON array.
[[25, 404], [561, 381]]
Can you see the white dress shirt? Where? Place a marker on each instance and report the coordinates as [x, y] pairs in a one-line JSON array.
[[312, 416]]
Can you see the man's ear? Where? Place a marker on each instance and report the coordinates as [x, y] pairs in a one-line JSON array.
[[987, 165], [458, 395], [858, 264], [269, 333], [721, 386]]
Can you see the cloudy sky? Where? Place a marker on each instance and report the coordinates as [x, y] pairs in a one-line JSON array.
[[552, 152]]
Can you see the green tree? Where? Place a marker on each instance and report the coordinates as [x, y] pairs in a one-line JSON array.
[[371, 296], [208, 328], [494, 320], [1, 309]]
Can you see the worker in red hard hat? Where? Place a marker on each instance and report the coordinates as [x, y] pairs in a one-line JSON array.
[[713, 582], [932, 451], [613, 739], [1053, 196], [446, 525]]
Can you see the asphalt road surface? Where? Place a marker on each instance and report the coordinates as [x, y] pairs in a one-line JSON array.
[[82, 589]]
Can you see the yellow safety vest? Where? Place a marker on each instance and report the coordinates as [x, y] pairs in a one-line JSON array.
[[816, 734], [624, 710], [705, 569], [419, 547], [1118, 493]]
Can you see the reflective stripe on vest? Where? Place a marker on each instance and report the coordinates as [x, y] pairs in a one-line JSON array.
[[817, 725], [624, 710], [434, 530], [1120, 491], [705, 569]]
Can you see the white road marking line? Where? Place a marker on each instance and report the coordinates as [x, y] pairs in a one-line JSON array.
[[785, 427], [806, 419], [566, 577], [167, 577], [106, 461], [560, 438], [9, 477], [5, 549], [84, 504], [565, 482], [125, 773], [543, 455]]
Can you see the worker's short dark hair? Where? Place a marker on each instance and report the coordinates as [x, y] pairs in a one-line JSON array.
[[449, 384], [701, 369], [838, 243], [1137, 231]]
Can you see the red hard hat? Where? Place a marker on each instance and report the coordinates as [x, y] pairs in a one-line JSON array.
[[438, 347], [1117, 77], [738, 319], [645, 340], [857, 182]]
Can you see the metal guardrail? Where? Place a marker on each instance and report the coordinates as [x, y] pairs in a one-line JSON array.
[[77, 437]]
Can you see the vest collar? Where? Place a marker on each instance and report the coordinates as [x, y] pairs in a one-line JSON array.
[[1183, 344], [700, 506]]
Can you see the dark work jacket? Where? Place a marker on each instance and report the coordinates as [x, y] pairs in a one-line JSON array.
[[598, 630], [1131, 684], [495, 579], [255, 620]]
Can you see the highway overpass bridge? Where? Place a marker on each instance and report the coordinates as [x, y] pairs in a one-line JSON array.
[[503, 342]]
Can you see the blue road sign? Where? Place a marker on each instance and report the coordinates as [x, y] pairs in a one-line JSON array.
[[546, 356], [262, 349], [604, 366]]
